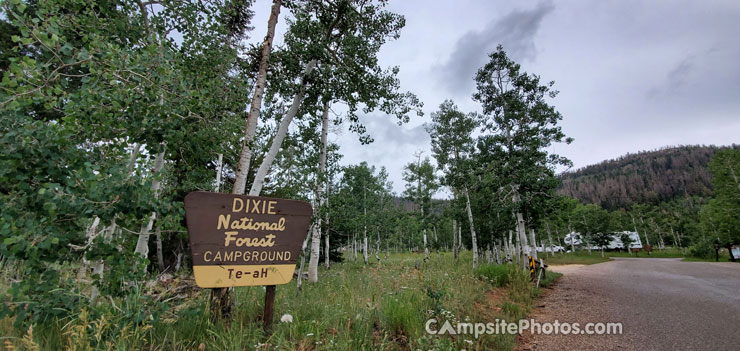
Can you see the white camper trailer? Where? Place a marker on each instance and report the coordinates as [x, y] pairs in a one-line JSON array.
[[576, 239], [548, 248], [616, 242]]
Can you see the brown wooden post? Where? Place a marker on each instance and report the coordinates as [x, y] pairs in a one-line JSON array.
[[269, 308]]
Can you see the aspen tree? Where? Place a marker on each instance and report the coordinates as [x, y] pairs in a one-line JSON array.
[[313, 263], [245, 156], [452, 146], [522, 125]]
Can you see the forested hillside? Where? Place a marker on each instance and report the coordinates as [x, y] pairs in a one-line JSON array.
[[644, 177]]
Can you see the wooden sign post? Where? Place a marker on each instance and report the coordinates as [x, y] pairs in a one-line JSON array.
[[239, 240]]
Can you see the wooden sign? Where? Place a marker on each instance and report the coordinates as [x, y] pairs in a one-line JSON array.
[[239, 240]]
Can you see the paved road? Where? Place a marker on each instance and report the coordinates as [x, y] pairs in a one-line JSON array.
[[663, 304]]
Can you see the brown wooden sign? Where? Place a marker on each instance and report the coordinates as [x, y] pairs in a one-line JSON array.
[[239, 240]]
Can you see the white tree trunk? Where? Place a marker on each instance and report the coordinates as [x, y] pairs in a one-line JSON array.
[[160, 256], [90, 234], [510, 247], [313, 263], [518, 250], [460, 246], [472, 229], [142, 244], [549, 237], [326, 235], [219, 168], [100, 265], [647, 239], [426, 250], [326, 250], [299, 283], [676, 238], [132, 158], [505, 247], [277, 140], [521, 233], [245, 156], [364, 247], [533, 247], [178, 263], [454, 239], [520, 226], [313, 260]]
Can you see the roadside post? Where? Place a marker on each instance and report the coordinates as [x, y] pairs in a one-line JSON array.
[[716, 250], [239, 240]]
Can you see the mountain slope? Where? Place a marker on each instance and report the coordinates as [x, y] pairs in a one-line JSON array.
[[644, 177]]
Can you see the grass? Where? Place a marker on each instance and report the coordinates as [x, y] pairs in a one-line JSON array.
[[578, 257], [667, 253], [674, 253], [582, 256], [550, 278], [498, 275], [382, 306], [723, 257]]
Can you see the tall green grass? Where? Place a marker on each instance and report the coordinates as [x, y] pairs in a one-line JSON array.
[[381, 306], [498, 275]]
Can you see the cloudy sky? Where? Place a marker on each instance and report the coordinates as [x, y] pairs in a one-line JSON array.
[[632, 75]]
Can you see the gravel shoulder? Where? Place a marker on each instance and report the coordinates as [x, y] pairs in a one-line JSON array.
[[663, 304]]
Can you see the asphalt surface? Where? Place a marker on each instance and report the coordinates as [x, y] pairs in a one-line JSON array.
[[663, 304]]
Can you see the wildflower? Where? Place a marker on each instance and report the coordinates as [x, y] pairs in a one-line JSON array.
[[286, 318]]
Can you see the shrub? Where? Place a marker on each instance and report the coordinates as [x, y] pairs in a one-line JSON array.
[[497, 274], [701, 250]]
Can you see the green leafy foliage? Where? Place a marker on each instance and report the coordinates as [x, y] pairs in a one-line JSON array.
[[87, 86], [719, 217]]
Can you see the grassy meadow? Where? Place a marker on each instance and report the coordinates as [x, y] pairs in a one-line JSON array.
[[381, 306]]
